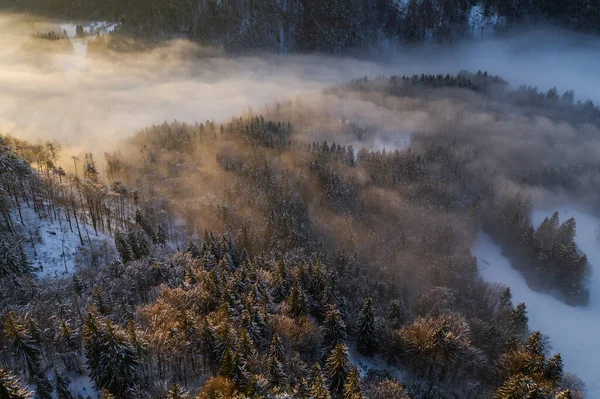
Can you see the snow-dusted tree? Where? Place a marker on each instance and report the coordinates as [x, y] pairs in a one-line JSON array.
[[11, 262], [233, 367], [352, 388], [337, 369], [318, 387], [22, 344], [366, 339], [297, 302], [123, 247], [111, 357], [61, 384], [334, 329], [177, 393], [10, 387]]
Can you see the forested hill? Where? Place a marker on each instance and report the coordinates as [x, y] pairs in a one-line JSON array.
[[254, 262], [318, 25]]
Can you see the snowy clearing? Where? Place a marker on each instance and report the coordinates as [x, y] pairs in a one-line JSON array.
[[573, 330], [56, 250]]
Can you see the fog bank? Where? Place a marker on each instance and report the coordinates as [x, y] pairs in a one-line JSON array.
[[88, 100]]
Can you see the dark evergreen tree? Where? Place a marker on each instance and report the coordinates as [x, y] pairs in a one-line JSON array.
[[318, 387], [352, 388], [334, 329], [23, 345], [123, 247], [366, 339], [62, 386], [10, 387], [177, 393], [337, 369], [297, 302]]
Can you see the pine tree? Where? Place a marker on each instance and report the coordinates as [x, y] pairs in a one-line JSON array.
[[10, 387], [366, 340], [162, 235], [43, 387], [565, 395], [318, 388], [275, 374], [141, 220], [62, 386], [177, 393], [553, 370], [233, 367], [337, 368], [334, 329], [521, 387], [519, 321], [297, 302], [11, 263], [111, 358], [352, 388], [302, 389], [209, 345], [123, 247], [277, 350], [22, 344], [396, 314]]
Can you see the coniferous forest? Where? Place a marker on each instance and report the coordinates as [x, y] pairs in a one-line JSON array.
[[257, 258]]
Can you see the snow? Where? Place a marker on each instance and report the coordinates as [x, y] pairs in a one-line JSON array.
[[481, 25], [51, 239], [573, 331]]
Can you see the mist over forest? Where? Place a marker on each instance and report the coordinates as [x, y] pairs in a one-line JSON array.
[[299, 199]]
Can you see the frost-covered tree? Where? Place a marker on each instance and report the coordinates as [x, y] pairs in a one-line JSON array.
[[10, 387], [366, 339], [337, 369], [334, 329]]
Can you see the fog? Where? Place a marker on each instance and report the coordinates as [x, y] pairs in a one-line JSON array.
[[86, 100], [573, 331]]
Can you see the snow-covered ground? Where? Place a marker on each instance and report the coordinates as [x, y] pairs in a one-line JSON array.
[[574, 331], [57, 248]]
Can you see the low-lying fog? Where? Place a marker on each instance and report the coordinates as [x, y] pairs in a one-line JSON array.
[[87, 100], [573, 331]]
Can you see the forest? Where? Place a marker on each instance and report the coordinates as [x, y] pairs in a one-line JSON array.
[[337, 26], [253, 258]]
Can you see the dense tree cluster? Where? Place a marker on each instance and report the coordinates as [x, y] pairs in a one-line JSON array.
[[548, 255], [250, 262]]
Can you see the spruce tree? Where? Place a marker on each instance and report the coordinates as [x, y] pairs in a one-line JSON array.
[[123, 247], [22, 344], [553, 369], [111, 358], [366, 339], [43, 387], [337, 368], [352, 388], [565, 395], [10, 387], [297, 302], [209, 346], [275, 374], [62, 386], [334, 329], [318, 388], [177, 393]]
